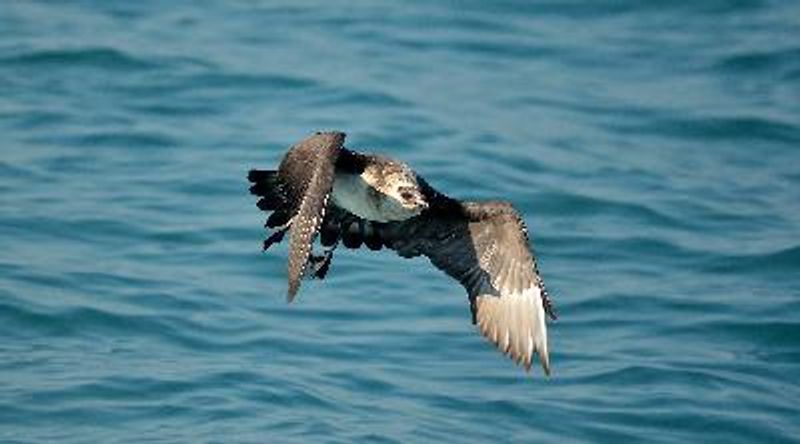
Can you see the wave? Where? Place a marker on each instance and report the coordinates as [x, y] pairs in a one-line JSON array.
[[784, 261], [716, 128], [786, 60], [98, 57]]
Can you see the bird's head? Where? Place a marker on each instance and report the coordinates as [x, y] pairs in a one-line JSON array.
[[400, 195], [409, 196]]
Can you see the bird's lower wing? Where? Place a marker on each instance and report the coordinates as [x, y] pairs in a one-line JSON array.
[[485, 247], [482, 245]]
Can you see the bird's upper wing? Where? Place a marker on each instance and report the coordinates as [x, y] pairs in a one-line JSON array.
[[307, 173]]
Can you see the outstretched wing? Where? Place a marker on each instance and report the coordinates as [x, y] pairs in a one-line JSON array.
[[485, 247], [298, 194]]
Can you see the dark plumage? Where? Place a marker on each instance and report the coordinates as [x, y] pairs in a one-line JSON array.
[[323, 189]]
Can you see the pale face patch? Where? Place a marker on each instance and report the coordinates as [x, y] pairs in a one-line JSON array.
[[403, 191], [378, 200]]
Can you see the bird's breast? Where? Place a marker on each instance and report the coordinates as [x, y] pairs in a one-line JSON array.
[[354, 194]]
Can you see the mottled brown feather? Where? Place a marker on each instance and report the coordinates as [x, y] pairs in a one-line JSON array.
[[308, 173]]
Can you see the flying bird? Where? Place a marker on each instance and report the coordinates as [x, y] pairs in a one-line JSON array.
[[323, 190]]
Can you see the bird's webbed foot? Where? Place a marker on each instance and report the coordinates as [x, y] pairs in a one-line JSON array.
[[277, 235], [274, 238], [321, 264]]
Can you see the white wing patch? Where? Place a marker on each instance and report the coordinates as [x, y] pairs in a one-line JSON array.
[[515, 323]]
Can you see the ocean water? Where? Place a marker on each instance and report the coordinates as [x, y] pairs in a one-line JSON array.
[[653, 148]]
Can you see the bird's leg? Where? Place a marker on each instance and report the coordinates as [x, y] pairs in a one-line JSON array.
[[277, 235], [322, 264]]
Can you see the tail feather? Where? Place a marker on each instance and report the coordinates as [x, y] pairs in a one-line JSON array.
[[267, 185], [278, 219], [257, 176], [269, 203]]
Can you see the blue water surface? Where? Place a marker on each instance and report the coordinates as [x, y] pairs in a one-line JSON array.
[[652, 146]]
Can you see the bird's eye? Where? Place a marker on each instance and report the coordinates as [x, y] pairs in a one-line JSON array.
[[407, 195]]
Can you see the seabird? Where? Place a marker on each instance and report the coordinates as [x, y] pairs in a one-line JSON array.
[[323, 189]]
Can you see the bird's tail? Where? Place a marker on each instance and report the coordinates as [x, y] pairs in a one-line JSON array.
[[268, 186]]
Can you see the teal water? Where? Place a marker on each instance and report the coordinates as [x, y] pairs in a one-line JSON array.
[[653, 147]]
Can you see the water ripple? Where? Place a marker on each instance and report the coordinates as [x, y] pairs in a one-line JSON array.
[[651, 149], [90, 58]]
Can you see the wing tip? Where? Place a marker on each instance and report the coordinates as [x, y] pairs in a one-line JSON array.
[[526, 361], [488, 328], [545, 364], [292, 292], [294, 283]]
